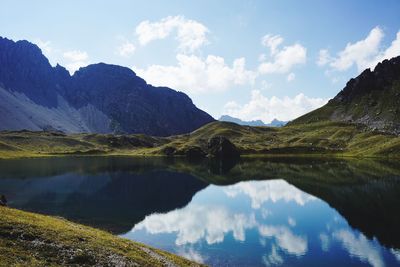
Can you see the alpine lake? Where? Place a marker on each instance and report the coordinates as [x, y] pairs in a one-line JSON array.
[[249, 212]]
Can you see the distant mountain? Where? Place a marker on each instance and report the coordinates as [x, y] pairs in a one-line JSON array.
[[371, 99], [99, 98], [273, 123]]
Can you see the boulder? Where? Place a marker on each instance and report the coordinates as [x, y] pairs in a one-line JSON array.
[[220, 147], [195, 152]]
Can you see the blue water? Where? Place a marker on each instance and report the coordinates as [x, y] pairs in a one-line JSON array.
[[261, 223]]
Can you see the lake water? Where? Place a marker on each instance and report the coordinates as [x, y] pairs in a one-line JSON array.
[[249, 213]]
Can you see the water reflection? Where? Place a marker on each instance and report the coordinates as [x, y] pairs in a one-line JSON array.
[[268, 222], [248, 213]]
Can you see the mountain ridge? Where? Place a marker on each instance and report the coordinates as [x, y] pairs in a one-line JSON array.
[[371, 99], [99, 98], [273, 123]]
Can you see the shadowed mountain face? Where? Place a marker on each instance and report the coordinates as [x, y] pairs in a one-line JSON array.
[[371, 99], [99, 98]]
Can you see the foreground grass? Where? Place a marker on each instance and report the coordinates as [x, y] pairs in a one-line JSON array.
[[324, 138], [28, 239]]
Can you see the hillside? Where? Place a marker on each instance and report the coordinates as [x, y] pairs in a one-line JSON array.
[[371, 99], [99, 98], [29, 239], [319, 139]]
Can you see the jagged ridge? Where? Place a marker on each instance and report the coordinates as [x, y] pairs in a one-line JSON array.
[[98, 98], [372, 99]]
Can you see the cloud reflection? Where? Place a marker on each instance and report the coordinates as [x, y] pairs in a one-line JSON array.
[[273, 190], [360, 246], [291, 243], [196, 222]]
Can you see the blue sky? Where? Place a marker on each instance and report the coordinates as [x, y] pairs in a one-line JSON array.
[[249, 59]]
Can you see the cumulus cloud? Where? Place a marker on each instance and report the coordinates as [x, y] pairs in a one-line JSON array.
[[360, 246], [126, 49], [193, 74], [190, 34], [263, 191], [283, 59], [365, 53], [76, 59], [266, 109]]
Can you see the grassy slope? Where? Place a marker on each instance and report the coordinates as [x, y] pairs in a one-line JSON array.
[[317, 138], [28, 239], [381, 107]]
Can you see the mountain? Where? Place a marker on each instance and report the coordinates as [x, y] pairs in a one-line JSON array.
[[273, 123], [371, 99], [99, 98]]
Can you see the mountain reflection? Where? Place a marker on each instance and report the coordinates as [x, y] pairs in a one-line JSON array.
[[271, 215], [246, 213]]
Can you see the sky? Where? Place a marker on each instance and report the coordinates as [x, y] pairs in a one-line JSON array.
[[248, 59]]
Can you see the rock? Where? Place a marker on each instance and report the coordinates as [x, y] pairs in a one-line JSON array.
[[3, 200], [169, 151], [195, 152], [220, 147]]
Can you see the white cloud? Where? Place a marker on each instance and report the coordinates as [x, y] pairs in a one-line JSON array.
[[283, 60], [291, 77], [360, 247], [286, 240], [272, 42], [323, 57], [76, 60], [196, 222], [126, 49], [360, 53], [190, 34], [266, 109], [364, 54], [264, 191], [193, 74]]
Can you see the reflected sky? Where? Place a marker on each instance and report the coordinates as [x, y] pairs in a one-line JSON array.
[[261, 223]]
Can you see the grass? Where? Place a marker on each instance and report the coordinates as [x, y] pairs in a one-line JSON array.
[[322, 138], [28, 239]]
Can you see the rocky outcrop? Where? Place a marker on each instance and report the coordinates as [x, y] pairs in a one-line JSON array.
[[98, 98], [372, 99], [221, 148]]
